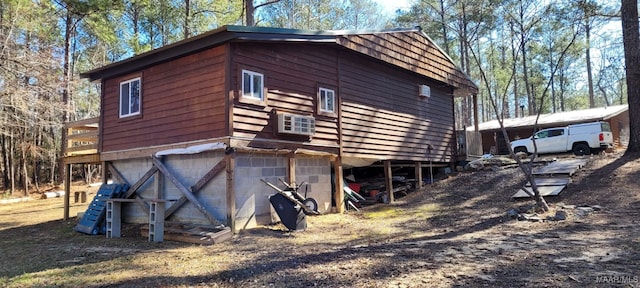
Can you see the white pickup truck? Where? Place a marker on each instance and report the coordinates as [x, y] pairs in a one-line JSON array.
[[582, 139]]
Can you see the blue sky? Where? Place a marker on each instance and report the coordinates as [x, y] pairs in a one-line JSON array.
[[390, 6]]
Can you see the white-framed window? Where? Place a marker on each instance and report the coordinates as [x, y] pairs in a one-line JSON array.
[[252, 85], [130, 97], [327, 100]]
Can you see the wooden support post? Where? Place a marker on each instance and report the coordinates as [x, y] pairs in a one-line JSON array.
[[80, 196], [339, 194], [103, 175], [475, 112], [292, 167], [418, 168], [159, 183], [163, 169], [388, 179], [67, 190], [231, 192]]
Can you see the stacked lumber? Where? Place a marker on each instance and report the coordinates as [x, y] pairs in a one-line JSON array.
[[196, 234]]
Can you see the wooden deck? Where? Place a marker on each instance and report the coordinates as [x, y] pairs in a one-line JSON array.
[[82, 141]]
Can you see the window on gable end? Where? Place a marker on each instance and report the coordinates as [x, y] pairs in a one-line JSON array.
[[130, 97]]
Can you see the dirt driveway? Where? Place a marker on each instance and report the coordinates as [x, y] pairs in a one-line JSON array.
[[455, 233]]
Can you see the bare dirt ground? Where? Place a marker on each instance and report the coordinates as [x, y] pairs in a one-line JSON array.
[[455, 233]]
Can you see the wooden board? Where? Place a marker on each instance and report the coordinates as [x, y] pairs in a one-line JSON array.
[[563, 167], [552, 181], [197, 235], [544, 191], [578, 163]]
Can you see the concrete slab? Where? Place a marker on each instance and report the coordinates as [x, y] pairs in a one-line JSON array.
[[544, 191]]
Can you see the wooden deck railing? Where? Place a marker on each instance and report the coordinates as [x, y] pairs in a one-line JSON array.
[[82, 137]]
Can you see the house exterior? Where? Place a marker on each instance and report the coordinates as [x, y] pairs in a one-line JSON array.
[[275, 103], [493, 142]]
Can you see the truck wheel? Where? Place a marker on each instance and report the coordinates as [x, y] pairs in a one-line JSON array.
[[520, 149], [581, 149]]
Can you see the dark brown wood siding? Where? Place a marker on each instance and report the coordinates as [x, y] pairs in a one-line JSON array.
[[383, 117], [292, 75], [620, 128], [182, 100]]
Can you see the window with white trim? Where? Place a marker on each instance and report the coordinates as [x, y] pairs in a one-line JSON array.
[[327, 100], [252, 85], [130, 97]]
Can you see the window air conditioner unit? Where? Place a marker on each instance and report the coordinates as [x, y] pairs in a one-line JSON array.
[[425, 91], [296, 124]]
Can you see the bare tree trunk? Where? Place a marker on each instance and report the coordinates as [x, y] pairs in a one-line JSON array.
[[587, 27], [6, 183], [24, 173], [531, 103], [553, 88], [187, 16], [465, 60], [562, 103], [527, 169], [65, 91], [631, 39], [12, 164], [503, 65], [249, 10], [135, 25], [53, 159], [621, 98], [5, 163], [465, 100], [443, 22], [163, 30], [89, 172], [603, 90], [514, 55], [36, 165], [36, 170]]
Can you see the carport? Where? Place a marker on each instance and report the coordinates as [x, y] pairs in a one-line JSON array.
[[517, 128]]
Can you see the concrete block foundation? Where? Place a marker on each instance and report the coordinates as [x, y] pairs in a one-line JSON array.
[[252, 206]]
